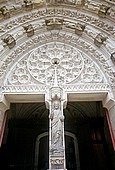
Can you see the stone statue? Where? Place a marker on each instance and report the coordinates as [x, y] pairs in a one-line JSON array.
[[57, 120]]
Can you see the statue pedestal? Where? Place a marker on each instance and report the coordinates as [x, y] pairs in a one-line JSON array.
[[56, 169], [57, 162]]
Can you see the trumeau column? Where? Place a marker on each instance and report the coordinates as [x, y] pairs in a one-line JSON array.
[[55, 101]]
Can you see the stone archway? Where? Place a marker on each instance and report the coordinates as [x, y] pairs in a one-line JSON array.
[[82, 38]]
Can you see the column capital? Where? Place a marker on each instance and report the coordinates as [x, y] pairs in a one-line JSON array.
[[108, 101], [4, 103]]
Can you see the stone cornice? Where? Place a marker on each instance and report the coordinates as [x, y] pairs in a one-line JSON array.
[[42, 89]]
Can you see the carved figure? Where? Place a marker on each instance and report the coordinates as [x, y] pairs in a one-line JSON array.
[[57, 120], [54, 23], [99, 39], [79, 28], [9, 40], [103, 10], [5, 11], [29, 30], [28, 4]]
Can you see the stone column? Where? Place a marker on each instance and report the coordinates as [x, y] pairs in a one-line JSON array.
[[111, 122], [109, 104], [56, 129], [4, 106]]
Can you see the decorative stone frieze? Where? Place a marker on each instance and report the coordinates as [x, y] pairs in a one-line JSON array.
[[81, 87], [41, 13]]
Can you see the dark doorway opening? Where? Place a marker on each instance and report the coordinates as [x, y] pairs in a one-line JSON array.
[[86, 120], [25, 122]]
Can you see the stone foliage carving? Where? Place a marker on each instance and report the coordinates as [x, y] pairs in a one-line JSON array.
[[39, 67]]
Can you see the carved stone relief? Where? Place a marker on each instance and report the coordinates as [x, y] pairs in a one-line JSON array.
[[38, 14], [57, 36], [38, 67]]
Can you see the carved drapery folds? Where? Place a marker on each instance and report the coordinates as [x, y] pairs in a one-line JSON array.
[[56, 121]]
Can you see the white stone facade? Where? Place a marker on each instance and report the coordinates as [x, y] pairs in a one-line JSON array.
[[77, 36]]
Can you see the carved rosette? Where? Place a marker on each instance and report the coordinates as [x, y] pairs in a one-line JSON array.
[[39, 67]]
